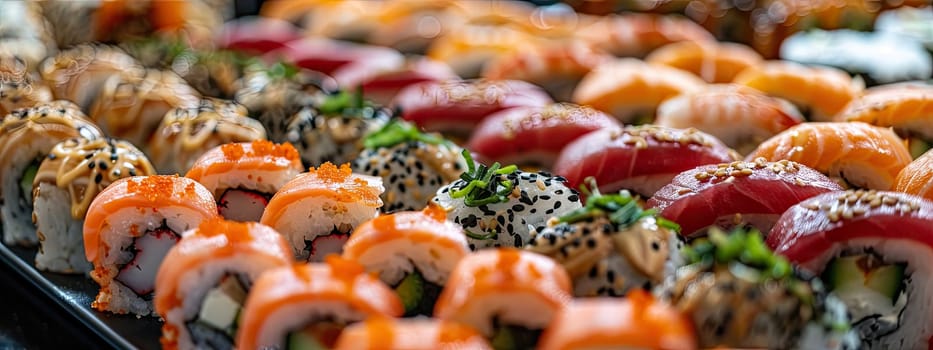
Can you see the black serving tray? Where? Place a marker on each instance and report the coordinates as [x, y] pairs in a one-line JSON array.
[[73, 294]]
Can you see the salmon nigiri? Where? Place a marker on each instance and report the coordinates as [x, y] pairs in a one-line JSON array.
[[917, 177], [856, 153], [908, 108], [823, 91], [714, 62]]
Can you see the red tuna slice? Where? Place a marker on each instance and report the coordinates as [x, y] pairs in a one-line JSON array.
[[638, 158], [257, 35], [535, 135], [332, 57], [382, 86], [738, 193]]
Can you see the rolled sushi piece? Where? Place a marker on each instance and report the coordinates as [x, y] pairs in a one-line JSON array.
[[129, 228], [741, 295], [243, 177], [185, 134], [26, 138], [79, 73], [380, 333], [501, 206], [611, 246], [510, 296], [639, 321], [641, 158], [413, 165], [316, 211], [333, 130], [70, 177], [872, 249], [819, 92], [18, 88], [535, 135], [306, 306], [739, 193], [917, 177], [412, 251], [205, 279], [908, 108]]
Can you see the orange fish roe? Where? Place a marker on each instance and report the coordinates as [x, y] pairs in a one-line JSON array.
[[153, 187], [261, 148], [435, 211], [330, 173], [190, 190], [232, 151], [235, 231]]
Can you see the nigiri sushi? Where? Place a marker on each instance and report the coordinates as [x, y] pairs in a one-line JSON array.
[[204, 280], [129, 228], [917, 177], [470, 47], [872, 249], [637, 34], [244, 176], [714, 62], [339, 59], [316, 211], [410, 334], [411, 26], [414, 252], [508, 295], [382, 86], [641, 159], [306, 306], [26, 138], [908, 108], [819, 92], [855, 153]]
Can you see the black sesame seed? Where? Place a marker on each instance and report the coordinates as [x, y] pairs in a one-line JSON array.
[[99, 178], [573, 198], [593, 272], [103, 165], [401, 187], [91, 165], [557, 204], [611, 276], [552, 239], [518, 208], [591, 243], [655, 246]]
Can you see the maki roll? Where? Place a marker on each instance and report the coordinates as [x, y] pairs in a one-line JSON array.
[[641, 158], [187, 133], [332, 131], [68, 179], [316, 211], [908, 108], [638, 321], [740, 295], [855, 154], [26, 138], [610, 246], [740, 193], [456, 106], [535, 135], [413, 165], [508, 295], [631, 90], [18, 89], [752, 116], [204, 281], [501, 206], [244, 176], [129, 228], [80, 73], [872, 249], [25, 32], [712, 61], [819, 92], [307, 305], [414, 252], [917, 177], [638, 34], [410, 334]]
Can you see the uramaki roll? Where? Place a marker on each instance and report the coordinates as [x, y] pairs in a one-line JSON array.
[[410, 334]]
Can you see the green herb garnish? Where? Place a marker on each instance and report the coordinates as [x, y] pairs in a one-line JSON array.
[[397, 131], [484, 185], [744, 246], [482, 236], [622, 209]]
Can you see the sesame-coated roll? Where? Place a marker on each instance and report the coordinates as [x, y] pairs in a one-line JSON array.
[[129, 228]]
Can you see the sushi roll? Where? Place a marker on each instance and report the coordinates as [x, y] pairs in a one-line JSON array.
[[641, 158], [752, 116], [129, 228], [130, 107], [908, 108], [872, 249], [273, 94], [68, 179], [411, 334], [456, 106], [631, 90], [638, 321], [211, 72], [510, 296], [18, 88], [414, 252], [316, 211], [79, 74], [244, 176], [535, 135], [917, 177], [333, 130], [610, 246], [638, 34], [187, 133], [501, 206], [25, 32], [557, 67], [855, 154], [740, 193], [26, 138], [741, 295], [819, 92], [307, 305], [712, 61], [204, 281], [413, 165]]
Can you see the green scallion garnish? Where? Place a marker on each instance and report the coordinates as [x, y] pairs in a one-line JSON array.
[[484, 185], [397, 131], [621, 208]]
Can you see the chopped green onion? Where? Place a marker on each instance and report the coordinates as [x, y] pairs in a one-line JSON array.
[[397, 131], [484, 185]]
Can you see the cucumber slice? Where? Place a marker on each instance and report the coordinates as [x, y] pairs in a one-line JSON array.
[[25, 182], [865, 271], [411, 291], [303, 341], [888, 280]]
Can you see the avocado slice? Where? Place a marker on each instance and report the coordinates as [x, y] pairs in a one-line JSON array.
[[918, 146], [503, 339], [865, 271], [303, 341], [411, 291], [25, 182]]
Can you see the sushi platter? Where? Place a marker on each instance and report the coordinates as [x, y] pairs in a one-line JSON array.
[[505, 174]]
